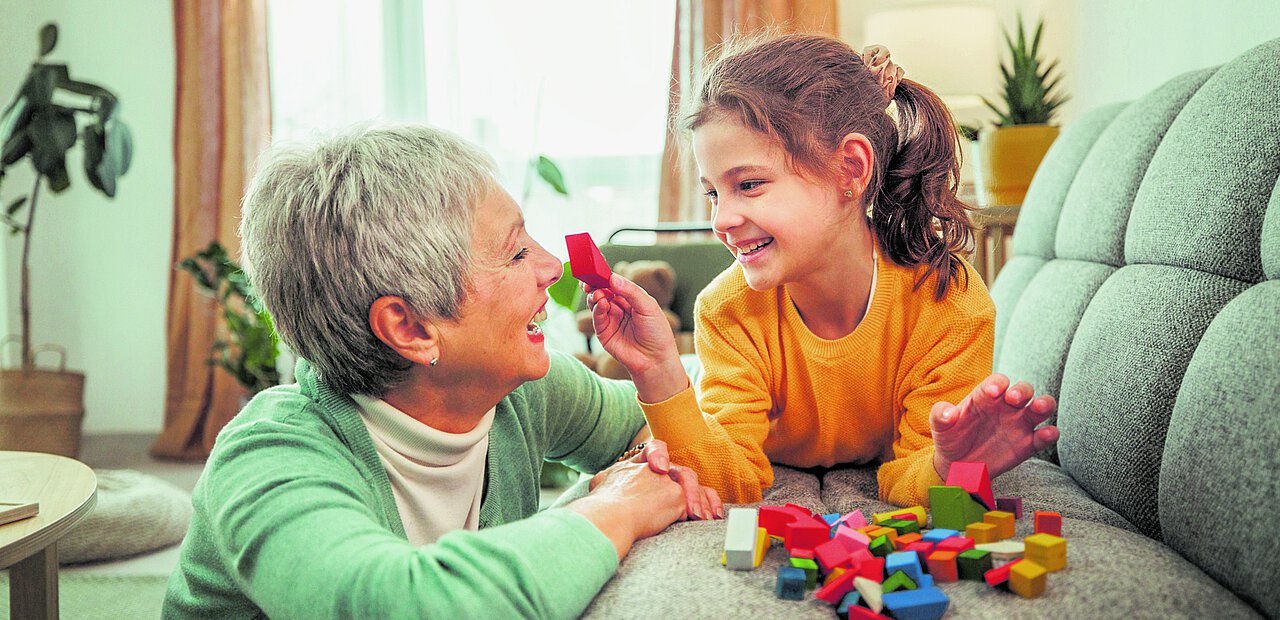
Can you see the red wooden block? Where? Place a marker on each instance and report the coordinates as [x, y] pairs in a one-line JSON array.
[[872, 569], [858, 558], [803, 554], [1047, 522], [942, 565], [774, 519], [831, 554], [805, 533], [999, 575], [834, 591], [974, 479], [955, 543], [923, 547], [858, 612], [586, 261]]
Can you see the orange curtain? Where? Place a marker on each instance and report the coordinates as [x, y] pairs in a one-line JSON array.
[[701, 25], [222, 123]]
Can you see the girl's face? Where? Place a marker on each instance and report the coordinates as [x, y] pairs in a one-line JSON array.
[[779, 225], [495, 335]]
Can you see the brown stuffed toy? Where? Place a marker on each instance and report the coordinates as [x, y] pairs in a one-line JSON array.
[[658, 279]]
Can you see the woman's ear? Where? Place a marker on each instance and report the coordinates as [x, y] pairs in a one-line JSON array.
[[857, 160], [396, 326]]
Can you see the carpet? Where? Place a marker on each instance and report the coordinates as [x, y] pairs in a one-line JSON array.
[[101, 597]]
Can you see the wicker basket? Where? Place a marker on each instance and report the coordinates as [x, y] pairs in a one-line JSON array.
[[41, 410]]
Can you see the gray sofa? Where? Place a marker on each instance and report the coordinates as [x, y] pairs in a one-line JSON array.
[[1144, 290]]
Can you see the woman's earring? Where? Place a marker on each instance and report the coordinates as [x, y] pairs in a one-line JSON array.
[[433, 361], [848, 193]]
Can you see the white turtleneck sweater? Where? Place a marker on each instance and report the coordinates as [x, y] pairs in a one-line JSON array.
[[437, 478]]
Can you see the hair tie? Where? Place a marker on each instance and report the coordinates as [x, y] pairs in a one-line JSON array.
[[887, 74]]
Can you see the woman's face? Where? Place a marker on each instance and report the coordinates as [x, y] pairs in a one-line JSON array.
[[779, 225], [496, 335]]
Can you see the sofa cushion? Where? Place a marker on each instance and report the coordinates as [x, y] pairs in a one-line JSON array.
[[1111, 573], [1008, 288], [1271, 236], [1122, 373], [1041, 326], [1219, 491], [1202, 202], [1095, 211]]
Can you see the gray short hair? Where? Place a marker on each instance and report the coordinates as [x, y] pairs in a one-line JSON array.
[[332, 226]]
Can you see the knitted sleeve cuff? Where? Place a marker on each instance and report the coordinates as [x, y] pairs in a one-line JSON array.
[[676, 420]]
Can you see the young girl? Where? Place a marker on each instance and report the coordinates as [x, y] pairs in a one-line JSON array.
[[848, 330]]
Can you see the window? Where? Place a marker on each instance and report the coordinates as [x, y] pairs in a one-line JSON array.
[[583, 82]]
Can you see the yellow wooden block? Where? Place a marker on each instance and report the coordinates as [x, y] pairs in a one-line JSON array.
[[981, 532], [883, 531], [917, 511], [833, 575], [723, 560], [1004, 522], [1046, 550], [762, 545], [1027, 578]]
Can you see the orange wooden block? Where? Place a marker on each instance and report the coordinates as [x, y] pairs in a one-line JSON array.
[[942, 565], [1004, 522], [902, 541], [981, 532]]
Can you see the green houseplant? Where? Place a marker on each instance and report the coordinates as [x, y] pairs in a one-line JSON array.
[[249, 354], [49, 115], [1009, 153]]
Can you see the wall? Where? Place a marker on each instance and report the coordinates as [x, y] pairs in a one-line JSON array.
[[100, 267], [1115, 51]]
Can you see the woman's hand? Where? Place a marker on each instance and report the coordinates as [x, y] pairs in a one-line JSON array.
[[633, 328], [700, 502], [995, 424]]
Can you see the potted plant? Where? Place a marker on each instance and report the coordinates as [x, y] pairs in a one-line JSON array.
[[1009, 153], [42, 409], [249, 353]]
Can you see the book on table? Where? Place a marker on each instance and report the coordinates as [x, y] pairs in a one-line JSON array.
[[17, 510]]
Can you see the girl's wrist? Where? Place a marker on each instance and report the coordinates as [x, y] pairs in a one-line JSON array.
[[661, 381]]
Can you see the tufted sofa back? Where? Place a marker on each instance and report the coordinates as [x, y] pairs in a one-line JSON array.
[[1144, 290]]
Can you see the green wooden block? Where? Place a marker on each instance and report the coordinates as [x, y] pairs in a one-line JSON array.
[[903, 526], [810, 569], [947, 507], [973, 563], [881, 547], [973, 510], [897, 581]]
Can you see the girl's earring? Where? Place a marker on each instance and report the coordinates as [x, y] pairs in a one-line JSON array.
[[848, 193]]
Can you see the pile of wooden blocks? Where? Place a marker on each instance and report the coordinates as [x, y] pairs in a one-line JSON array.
[[894, 562]]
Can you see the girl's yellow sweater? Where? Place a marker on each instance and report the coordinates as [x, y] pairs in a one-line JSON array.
[[773, 392]]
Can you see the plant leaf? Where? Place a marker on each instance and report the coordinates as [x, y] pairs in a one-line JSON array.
[[48, 38], [53, 133], [550, 172], [14, 206]]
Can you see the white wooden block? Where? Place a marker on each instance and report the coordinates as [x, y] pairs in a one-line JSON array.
[[740, 538], [872, 593]]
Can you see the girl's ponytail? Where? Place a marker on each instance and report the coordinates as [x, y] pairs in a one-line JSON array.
[[916, 215]]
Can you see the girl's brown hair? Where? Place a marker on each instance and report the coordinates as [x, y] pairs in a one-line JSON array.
[[807, 92]]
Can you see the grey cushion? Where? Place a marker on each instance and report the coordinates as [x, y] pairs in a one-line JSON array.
[[1008, 289], [1112, 573], [1122, 374], [135, 513], [1202, 201], [1219, 491], [1095, 212], [1271, 236]]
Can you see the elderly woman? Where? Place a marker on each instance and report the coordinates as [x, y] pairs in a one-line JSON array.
[[399, 476]]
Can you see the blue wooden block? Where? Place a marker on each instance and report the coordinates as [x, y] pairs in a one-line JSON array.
[[938, 534], [790, 583], [850, 599], [918, 604], [905, 561], [831, 518]]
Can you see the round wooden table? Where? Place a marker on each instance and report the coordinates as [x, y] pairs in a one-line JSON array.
[[67, 491]]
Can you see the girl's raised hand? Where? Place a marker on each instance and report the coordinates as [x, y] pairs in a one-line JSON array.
[[633, 328], [995, 424]]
